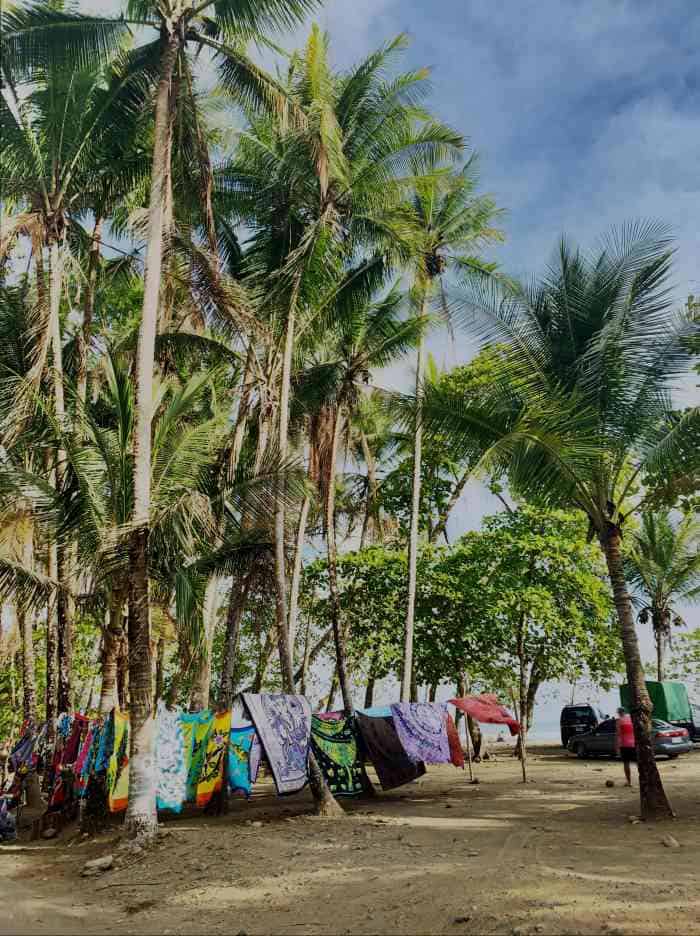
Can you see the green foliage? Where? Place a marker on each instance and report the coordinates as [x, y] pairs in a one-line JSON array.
[[684, 662], [532, 568]]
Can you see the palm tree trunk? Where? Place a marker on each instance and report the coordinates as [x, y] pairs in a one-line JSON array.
[[25, 622], [522, 694], [297, 569], [369, 691], [201, 684], [654, 803], [441, 526], [659, 641], [51, 650], [64, 633], [141, 819], [160, 673], [236, 606], [313, 653], [406, 676], [332, 550], [369, 521], [113, 635], [301, 679], [85, 333], [325, 801]]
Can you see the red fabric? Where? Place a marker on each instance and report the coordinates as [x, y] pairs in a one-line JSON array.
[[486, 708], [625, 731], [456, 752]]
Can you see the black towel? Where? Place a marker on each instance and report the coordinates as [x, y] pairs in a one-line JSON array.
[[385, 751]]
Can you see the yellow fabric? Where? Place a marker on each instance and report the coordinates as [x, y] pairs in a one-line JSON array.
[[212, 775], [118, 769]]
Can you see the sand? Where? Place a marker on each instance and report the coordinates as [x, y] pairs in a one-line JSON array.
[[561, 854]]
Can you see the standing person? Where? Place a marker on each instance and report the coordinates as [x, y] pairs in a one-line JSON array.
[[624, 742]]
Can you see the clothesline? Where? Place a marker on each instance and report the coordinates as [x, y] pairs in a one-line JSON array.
[[198, 754]]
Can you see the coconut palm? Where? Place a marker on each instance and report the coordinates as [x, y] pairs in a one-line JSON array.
[[663, 566], [580, 403], [447, 224]]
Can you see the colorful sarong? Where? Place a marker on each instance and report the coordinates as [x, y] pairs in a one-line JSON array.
[[384, 749], [171, 768], [211, 777], [118, 770], [422, 731], [239, 775], [88, 768], [334, 743], [486, 708], [283, 724], [456, 752], [80, 761], [196, 727], [106, 745], [74, 741]]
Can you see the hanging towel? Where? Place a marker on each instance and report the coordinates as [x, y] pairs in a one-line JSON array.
[[211, 777], [376, 711], [486, 708], [81, 760], [334, 743], [328, 716], [385, 751], [196, 727], [78, 730], [88, 768], [118, 770], [456, 752], [283, 724], [171, 768], [239, 773], [256, 753], [422, 731]]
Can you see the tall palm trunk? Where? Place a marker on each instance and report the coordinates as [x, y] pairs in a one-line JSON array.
[[659, 641], [199, 696], [234, 615], [85, 333], [654, 803], [63, 571], [297, 569], [141, 819], [111, 641], [370, 527], [51, 650], [332, 551], [407, 674], [325, 802], [25, 622]]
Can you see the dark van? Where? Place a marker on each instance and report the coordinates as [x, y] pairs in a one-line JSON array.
[[577, 719]]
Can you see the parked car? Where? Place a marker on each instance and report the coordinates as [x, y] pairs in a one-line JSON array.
[[578, 719], [600, 742]]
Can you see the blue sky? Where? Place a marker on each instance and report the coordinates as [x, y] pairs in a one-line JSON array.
[[584, 114]]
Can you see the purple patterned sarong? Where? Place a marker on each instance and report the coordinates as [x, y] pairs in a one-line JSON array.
[[283, 725], [422, 730]]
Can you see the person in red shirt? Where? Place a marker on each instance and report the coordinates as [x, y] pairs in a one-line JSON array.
[[624, 742]]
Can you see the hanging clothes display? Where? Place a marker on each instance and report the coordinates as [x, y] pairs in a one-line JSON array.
[[211, 777], [239, 773], [78, 730], [486, 708], [422, 731], [106, 745], [79, 780], [171, 767], [384, 749], [283, 724], [334, 743], [118, 770], [196, 727]]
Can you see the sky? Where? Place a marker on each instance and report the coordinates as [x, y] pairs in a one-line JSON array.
[[584, 114]]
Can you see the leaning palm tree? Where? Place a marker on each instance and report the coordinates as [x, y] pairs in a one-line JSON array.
[[663, 566], [446, 223], [579, 407]]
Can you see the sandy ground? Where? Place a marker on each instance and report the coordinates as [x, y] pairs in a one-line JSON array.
[[561, 854]]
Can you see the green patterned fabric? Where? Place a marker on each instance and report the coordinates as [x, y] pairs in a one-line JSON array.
[[335, 745]]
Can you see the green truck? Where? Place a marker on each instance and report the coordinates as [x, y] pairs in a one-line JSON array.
[[671, 704]]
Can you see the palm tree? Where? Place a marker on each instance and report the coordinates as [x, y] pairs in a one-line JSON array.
[[367, 335], [447, 222], [42, 32], [579, 407], [663, 566]]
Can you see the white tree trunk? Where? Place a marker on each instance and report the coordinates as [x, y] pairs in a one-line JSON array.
[[413, 530]]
